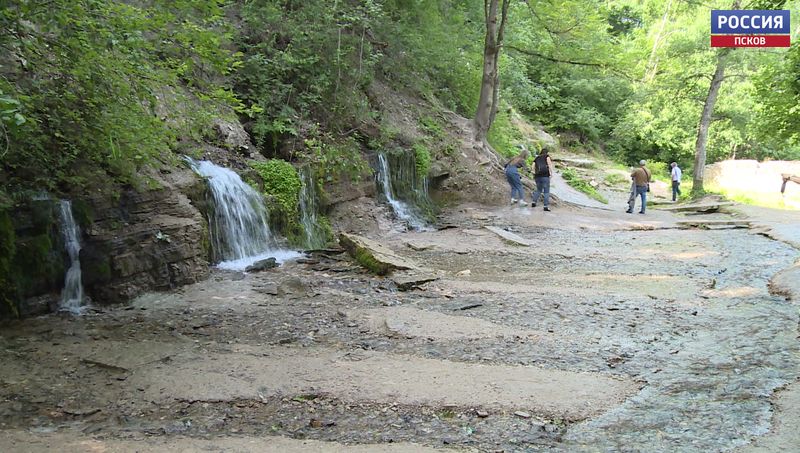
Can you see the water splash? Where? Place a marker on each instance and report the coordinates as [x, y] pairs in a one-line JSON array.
[[314, 234], [402, 181], [72, 294], [238, 220]]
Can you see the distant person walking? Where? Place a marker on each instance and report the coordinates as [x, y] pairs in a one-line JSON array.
[[641, 179], [542, 171], [676, 181], [512, 175]]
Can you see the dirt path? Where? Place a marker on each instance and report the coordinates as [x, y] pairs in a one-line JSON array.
[[611, 332]]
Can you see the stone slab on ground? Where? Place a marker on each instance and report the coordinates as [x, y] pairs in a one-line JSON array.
[[409, 322], [69, 442], [410, 281], [374, 256], [369, 376], [713, 223], [787, 283], [509, 236], [699, 207], [126, 356]]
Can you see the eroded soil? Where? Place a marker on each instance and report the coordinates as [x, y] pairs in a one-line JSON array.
[[610, 333]]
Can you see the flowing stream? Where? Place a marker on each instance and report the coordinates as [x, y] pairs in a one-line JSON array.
[[400, 181], [238, 220], [314, 236], [72, 294]]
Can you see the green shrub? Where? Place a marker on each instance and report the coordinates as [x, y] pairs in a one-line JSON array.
[[281, 184], [613, 179], [422, 156], [574, 180]]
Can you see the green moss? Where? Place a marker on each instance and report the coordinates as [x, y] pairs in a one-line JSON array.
[[7, 250], [83, 213], [365, 259], [422, 158], [577, 182], [35, 264], [281, 184]]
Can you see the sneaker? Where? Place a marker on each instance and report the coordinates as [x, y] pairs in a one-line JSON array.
[[547, 209], [641, 212], [533, 205], [523, 202], [629, 211], [513, 201]]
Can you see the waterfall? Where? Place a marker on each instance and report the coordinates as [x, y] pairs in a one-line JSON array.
[[72, 294], [314, 235], [238, 220], [403, 182]]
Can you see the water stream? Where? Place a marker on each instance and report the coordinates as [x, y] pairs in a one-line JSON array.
[[314, 236], [238, 220], [402, 189], [72, 294]]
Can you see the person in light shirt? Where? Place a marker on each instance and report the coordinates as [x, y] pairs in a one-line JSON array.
[[676, 181]]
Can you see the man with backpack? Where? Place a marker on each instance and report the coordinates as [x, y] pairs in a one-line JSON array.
[[542, 170], [641, 179]]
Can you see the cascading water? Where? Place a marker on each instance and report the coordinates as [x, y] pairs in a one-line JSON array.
[[238, 220], [314, 236], [72, 294], [403, 182]]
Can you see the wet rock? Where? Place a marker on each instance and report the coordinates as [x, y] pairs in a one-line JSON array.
[[268, 288], [482, 413], [522, 414], [373, 256], [292, 286], [412, 281], [508, 236], [262, 265]]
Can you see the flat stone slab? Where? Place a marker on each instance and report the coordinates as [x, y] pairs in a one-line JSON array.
[[700, 207], [406, 322], [713, 223], [255, 373], [509, 236], [374, 256], [69, 442], [407, 282], [124, 356]]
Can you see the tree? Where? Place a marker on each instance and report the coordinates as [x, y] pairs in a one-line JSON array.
[[705, 122], [490, 83]]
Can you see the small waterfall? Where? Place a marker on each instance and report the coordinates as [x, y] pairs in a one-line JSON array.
[[403, 182], [314, 234], [238, 221], [72, 294]]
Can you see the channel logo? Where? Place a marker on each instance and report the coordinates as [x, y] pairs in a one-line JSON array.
[[750, 28]]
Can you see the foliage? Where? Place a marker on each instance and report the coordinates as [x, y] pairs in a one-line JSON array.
[[574, 180], [503, 136], [281, 183], [94, 80], [336, 160], [7, 250], [422, 158]]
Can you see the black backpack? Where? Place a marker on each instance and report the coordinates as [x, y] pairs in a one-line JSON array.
[[540, 167]]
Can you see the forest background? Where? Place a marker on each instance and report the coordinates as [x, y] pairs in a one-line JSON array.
[[92, 91]]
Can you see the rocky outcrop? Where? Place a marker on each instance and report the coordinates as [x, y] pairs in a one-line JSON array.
[[373, 256], [150, 240]]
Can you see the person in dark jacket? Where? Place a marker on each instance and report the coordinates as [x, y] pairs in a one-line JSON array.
[[512, 175], [542, 171]]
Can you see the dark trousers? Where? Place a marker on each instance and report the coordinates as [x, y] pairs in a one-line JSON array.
[[676, 190]]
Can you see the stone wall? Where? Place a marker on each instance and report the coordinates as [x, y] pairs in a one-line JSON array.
[[752, 176]]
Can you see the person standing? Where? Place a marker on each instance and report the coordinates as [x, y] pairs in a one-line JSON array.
[[641, 179], [513, 177], [542, 171], [676, 180]]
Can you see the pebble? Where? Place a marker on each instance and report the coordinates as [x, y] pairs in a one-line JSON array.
[[522, 414], [482, 413]]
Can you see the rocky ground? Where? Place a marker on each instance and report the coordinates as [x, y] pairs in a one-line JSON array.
[[605, 332]]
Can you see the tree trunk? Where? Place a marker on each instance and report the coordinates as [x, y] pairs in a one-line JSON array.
[[705, 122], [490, 83]]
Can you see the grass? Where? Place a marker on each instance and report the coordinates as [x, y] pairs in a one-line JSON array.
[[578, 183]]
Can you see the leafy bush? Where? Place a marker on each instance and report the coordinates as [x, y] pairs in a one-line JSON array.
[[422, 156], [281, 184]]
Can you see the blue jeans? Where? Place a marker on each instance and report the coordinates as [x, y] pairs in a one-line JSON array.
[[515, 182], [542, 187], [676, 189], [641, 191]]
